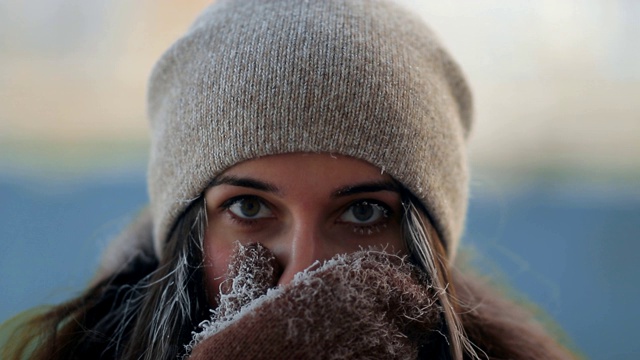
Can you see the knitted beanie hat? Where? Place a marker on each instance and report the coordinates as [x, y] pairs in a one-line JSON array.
[[361, 78]]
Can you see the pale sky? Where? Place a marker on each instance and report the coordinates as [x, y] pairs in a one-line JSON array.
[[556, 83]]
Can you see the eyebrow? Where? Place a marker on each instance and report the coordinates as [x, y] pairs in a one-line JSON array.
[[366, 188], [244, 182], [349, 190]]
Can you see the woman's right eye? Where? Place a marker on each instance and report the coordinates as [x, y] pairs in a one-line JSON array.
[[248, 207]]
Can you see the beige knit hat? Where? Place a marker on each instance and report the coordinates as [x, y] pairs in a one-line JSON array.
[[362, 78]]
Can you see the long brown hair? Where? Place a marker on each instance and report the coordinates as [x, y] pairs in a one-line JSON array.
[[149, 309], [145, 311], [480, 321]]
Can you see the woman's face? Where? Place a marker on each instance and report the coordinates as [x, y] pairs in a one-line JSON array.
[[303, 207]]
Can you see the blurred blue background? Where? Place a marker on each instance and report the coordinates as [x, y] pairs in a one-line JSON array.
[[571, 248], [555, 150]]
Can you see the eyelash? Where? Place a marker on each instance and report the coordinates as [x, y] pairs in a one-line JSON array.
[[225, 206], [370, 229], [361, 229]]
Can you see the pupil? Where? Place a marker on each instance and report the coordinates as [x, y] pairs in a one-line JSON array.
[[363, 211], [250, 207]]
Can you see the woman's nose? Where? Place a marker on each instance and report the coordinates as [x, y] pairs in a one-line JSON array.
[[302, 248]]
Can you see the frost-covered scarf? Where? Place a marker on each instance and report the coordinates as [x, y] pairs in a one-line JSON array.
[[365, 305]]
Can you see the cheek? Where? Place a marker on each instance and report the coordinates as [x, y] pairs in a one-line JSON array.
[[394, 240], [217, 255], [389, 238], [397, 245]]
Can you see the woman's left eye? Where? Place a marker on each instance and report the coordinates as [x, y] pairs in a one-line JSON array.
[[364, 213]]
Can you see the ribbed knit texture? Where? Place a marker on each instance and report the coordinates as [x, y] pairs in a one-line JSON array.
[[362, 78]]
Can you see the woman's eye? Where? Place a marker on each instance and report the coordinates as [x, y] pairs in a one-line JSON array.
[[249, 207], [364, 212]]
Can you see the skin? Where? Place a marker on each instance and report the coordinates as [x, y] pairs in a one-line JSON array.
[[304, 207]]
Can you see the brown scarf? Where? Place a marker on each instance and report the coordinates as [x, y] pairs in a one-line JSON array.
[[365, 305]]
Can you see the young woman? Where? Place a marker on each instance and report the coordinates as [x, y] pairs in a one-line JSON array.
[[308, 190]]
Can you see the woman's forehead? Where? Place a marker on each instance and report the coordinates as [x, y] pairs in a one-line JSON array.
[[299, 172], [308, 164]]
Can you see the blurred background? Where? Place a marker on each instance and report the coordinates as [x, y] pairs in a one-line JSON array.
[[555, 154]]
